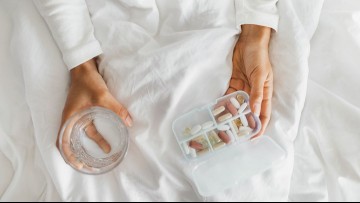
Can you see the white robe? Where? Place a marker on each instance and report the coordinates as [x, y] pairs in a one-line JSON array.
[[72, 29]]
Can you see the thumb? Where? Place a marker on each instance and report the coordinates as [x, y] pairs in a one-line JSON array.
[[122, 112], [257, 93]]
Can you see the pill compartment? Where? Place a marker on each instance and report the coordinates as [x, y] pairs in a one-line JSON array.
[[197, 146], [193, 123], [230, 106]]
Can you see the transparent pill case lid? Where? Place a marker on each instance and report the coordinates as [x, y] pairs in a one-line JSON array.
[[216, 142]]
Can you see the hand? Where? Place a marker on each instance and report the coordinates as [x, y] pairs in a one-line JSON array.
[[252, 71], [88, 89]]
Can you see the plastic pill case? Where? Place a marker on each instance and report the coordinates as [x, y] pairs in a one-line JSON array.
[[216, 141], [213, 127]]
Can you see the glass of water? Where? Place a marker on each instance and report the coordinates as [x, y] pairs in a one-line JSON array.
[[94, 141]]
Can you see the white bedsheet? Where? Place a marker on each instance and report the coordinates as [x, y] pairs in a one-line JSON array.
[[169, 67], [327, 158]]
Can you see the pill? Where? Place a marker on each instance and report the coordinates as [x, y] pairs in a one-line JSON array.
[[231, 135], [236, 128], [237, 122], [224, 117], [240, 98], [219, 145], [223, 127], [187, 132], [207, 125], [193, 153], [244, 131], [203, 152], [242, 108], [196, 145], [196, 129], [232, 109], [218, 110], [224, 137], [235, 102], [244, 120], [214, 138], [202, 141], [186, 148], [247, 111]]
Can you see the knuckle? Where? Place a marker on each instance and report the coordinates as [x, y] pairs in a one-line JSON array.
[[122, 112]]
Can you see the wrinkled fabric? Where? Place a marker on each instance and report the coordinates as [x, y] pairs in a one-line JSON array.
[[159, 70], [327, 161]]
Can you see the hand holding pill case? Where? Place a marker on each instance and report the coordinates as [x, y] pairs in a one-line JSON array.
[[216, 141]]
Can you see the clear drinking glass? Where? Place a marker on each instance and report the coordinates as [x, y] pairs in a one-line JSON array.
[[80, 137]]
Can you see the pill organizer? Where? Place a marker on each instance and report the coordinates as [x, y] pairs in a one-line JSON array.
[[216, 141]]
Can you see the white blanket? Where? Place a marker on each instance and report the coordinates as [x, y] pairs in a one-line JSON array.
[[327, 158], [159, 67]]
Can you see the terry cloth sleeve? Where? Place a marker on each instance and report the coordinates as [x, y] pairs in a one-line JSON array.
[[258, 12], [70, 24]]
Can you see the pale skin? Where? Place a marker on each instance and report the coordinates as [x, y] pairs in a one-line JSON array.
[[252, 73]]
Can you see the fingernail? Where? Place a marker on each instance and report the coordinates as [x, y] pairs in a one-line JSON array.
[[257, 108], [129, 121]]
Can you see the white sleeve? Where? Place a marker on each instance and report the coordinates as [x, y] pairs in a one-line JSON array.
[[70, 24], [258, 12]]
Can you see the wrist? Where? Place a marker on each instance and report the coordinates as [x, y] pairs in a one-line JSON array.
[[255, 35], [84, 70]]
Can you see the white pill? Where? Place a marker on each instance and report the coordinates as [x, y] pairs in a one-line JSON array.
[[186, 148], [231, 135], [195, 130], [245, 131], [193, 153], [225, 117], [218, 110], [235, 102], [244, 120], [207, 125], [223, 128], [246, 111], [242, 108]]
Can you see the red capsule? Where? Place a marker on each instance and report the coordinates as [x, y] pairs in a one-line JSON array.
[[224, 137], [195, 145], [232, 109]]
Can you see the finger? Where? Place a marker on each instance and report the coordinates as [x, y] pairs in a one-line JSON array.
[[94, 135], [230, 90], [257, 92], [266, 107], [265, 114], [264, 117], [247, 88], [67, 131], [121, 111], [71, 157], [68, 111], [236, 84]]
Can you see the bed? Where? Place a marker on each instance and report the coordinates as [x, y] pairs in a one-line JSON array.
[[315, 116]]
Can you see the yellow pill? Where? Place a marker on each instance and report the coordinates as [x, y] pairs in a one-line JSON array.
[[240, 98], [203, 152], [219, 145]]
